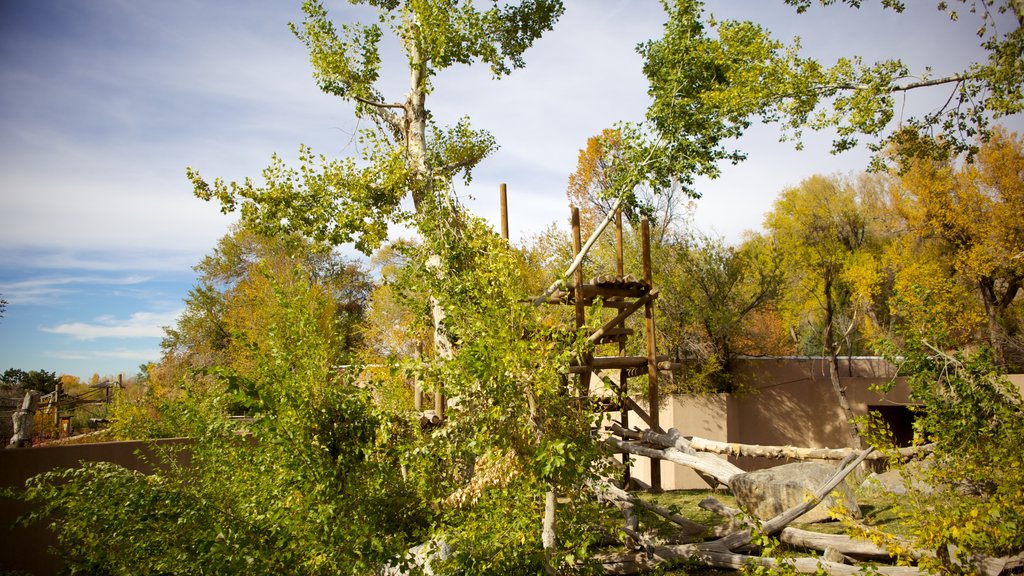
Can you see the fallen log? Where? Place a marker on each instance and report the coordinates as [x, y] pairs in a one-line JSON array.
[[859, 549], [697, 444], [793, 452], [667, 556], [717, 468], [688, 527]]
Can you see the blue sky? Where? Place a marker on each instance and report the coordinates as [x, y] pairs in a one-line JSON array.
[[103, 103]]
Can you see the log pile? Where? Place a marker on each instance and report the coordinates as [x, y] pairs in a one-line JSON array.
[[729, 546]]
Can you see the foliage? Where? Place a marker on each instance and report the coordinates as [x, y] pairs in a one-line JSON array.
[[506, 382], [969, 214], [975, 504], [821, 232], [40, 380], [234, 295], [269, 500], [407, 154], [710, 79], [710, 292], [597, 181]]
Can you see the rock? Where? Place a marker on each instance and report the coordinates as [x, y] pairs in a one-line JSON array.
[[894, 481], [769, 492], [833, 555]]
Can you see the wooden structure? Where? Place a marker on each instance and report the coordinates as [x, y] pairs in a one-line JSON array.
[[627, 295]]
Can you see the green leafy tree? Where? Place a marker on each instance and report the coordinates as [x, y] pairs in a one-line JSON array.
[[974, 506], [312, 489], [710, 79], [40, 380], [710, 291], [406, 153]]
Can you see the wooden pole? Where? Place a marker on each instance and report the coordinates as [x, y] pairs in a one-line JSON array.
[[581, 311], [503, 195], [620, 270], [653, 396]]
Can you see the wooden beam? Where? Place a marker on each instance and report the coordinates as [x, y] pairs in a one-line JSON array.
[[622, 315]]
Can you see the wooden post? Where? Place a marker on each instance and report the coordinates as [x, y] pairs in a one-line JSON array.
[[620, 270], [56, 406], [581, 310], [417, 390], [653, 397], [503, 195], [439, 403]]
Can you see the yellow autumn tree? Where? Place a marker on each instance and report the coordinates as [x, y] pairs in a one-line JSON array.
[[972, 214]]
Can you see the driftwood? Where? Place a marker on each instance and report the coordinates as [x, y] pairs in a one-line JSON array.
[[718, 469], [722, 553], [23, 418], [662, 556], [676, 449], [732, 449], [605, 489], [697, 444], [806, 538]]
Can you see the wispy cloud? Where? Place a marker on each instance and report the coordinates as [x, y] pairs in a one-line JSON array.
[[138, 325], [47, 289]]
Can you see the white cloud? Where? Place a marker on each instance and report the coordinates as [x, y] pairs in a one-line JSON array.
[[47, 289], [138, 325]]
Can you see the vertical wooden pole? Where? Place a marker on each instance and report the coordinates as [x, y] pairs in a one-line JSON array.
[[620, 270], [417, 390], [581, 310], [653, 397], [439, 402], [577, 245], [503, 195], [56, 407], [619, 267]]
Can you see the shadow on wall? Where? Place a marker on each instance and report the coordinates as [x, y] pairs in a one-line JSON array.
[[790, 401]]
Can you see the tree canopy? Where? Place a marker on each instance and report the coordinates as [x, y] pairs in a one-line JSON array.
[[711, 79]]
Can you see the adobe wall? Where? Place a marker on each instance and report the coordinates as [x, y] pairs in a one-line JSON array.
[[789, 401], [25, 548]]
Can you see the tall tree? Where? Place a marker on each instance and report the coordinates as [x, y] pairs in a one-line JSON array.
[[973, 211], [406, 153], [594, 186], [710, 290], [821, 231]]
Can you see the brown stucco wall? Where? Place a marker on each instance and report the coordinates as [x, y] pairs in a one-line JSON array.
[[25, 548], [788, 401]]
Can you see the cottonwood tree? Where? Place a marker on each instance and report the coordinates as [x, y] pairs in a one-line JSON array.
[[970, 215], [821, 232], [406, 154], [710, 79]]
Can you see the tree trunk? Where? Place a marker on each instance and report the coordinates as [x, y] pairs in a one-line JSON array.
[[833, 365]]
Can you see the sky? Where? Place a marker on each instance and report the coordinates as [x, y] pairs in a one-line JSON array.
[[104, 103]]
